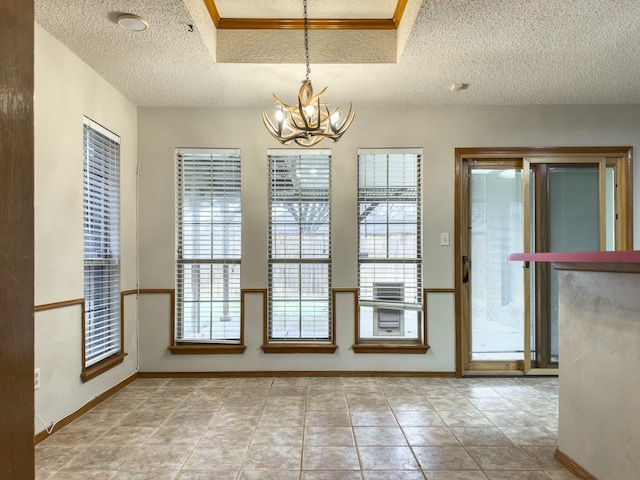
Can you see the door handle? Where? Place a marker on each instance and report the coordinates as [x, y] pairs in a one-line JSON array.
[[466, 265]]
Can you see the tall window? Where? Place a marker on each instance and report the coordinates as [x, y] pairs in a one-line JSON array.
[[101, 212], [389, 246], [299, 247], [208, 229]]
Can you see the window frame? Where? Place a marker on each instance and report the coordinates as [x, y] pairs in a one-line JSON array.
[[101, 248], [283, 256], [393, 342], [230, 159]]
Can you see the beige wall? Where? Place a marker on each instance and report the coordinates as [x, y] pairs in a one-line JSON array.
[[65, 90], [438, 130]]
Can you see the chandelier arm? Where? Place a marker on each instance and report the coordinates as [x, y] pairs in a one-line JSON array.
[[347, 123], [293, 137], [293, 120], [331, 126], [315, 97], [269, 125], [318, 109], [303, 116], [280, 102], [309, 142], [277, 134]]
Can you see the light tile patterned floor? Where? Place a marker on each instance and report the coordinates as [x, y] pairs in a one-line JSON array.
[[318, 428]]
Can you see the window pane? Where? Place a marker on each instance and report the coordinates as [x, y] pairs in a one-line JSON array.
[[299, 247], [497, 307], [101, 214], [573, 197], [208, 221], [389, 270], [210, 302], [404, 274]]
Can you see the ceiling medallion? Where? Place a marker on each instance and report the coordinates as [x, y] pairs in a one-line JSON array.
[[310, 121]]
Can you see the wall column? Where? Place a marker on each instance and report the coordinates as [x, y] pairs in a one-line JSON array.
[[16, 239]]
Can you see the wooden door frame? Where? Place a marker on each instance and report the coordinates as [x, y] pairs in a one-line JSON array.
[[624, 201]]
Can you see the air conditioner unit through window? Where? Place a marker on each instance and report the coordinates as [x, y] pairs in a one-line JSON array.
[[388, 320]]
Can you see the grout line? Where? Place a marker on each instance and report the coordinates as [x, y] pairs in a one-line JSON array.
[[382, 389]]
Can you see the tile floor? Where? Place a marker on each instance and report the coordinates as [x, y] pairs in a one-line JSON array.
[[318, 428]]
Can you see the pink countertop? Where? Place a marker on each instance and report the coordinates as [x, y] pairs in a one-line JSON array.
[[627, 256]]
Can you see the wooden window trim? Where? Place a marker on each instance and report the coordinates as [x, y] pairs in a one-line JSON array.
[[206, 348], [398, 347], [390, 348], [217, 169], [299, 348], [409, 346], [107, 364], [111, 166], [321, 348], [299, 345], [99, 368]]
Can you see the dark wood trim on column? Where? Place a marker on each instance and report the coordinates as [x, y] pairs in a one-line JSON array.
[[16, 240]]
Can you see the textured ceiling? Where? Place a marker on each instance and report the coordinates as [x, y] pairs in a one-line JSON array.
[[510, 52]]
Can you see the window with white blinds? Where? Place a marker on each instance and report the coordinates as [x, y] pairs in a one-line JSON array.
[[389, 245], [101, 212], [208, 246], [299, 299]]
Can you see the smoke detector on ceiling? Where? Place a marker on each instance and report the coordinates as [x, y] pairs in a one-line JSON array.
[[132, 22]]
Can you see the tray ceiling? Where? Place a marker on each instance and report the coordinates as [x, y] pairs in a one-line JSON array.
[[509, 52]]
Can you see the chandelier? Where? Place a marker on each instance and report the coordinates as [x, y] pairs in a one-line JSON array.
[[310, 121]]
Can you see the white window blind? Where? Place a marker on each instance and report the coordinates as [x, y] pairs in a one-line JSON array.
[[208, 242], [101, 201], [299, 246], [389, 244]]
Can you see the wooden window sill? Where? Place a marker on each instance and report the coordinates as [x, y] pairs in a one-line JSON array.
[[390, 348], [298, 348], [99, 368], [202, 349]]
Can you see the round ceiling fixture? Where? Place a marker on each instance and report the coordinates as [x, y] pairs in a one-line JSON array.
[[132, 22]]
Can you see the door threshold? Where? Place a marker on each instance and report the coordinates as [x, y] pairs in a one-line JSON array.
[[492, 373]]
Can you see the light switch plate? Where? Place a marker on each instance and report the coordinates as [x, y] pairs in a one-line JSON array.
[[444, 239]]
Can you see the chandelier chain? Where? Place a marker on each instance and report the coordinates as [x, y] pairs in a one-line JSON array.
[[306, 38], [310, 121]]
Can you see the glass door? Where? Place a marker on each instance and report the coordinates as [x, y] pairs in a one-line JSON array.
[[495, 287], [544, 200], [567, 215]]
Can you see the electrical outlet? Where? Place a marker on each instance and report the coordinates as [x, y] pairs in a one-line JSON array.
[[36, 379]]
